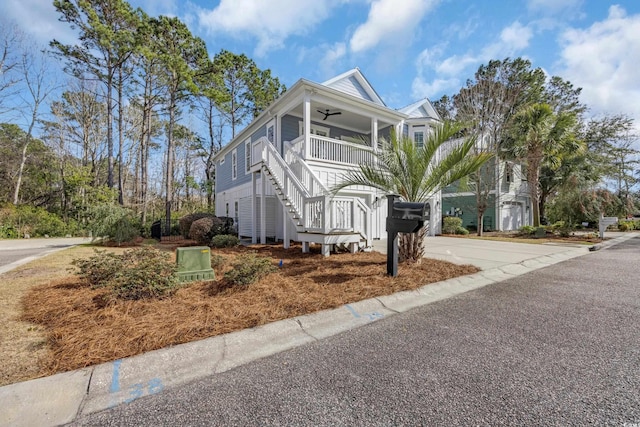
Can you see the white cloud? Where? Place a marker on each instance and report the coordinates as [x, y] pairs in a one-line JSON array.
[[271, 22], [446, 71], [39, 19], [389, 22], [423, 89], [515, 37], [602, 59], [332, 58], [455, 64]]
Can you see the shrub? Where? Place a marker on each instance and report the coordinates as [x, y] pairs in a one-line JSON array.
[[450, 224], [114, 222], [249, 268], [148, 273], [203, 229], [462, 230], [217, 261], [626, 225], [100, 268], [135, 274], [224, 241], [184, 223], [527, 230], [228, 227], [16, 221]]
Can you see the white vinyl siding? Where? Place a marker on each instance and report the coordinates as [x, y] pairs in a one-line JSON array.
[[244, 216]]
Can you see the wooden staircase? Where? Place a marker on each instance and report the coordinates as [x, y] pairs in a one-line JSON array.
[[317, 216]]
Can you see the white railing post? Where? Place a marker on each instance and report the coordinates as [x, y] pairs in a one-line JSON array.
[[353, 215], [326, 214], [263, 208], [285, 217], [306, 115]]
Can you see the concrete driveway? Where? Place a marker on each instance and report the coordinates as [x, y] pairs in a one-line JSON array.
[[485, 254], [15, 252]]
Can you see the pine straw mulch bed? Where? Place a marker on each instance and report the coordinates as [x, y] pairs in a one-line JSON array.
[[85, 328]]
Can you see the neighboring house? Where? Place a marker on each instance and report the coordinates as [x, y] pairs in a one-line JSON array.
[[508, 201], [275, 176]]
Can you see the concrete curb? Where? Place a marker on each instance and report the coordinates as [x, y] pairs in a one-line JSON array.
[[612, 242], [61, 398]]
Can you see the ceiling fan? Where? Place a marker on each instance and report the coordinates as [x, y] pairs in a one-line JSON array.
[[327, 113]]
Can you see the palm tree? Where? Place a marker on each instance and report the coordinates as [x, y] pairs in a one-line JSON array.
[[416, 173], [539, 136]]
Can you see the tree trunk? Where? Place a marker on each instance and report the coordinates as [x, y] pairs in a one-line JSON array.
[[120, 141], [23, 160], [480, 221], [533, 174], [110, 162], [411, 246], [170, 157]]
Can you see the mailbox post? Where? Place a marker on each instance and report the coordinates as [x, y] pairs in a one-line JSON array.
[[606, 221], [402, 217]]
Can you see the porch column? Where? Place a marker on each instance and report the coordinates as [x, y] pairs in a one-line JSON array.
[[279, 144], [254, 234], [374, 134], [400, 129], [263, 208], [306, 117], [497, 198], [285, 218]]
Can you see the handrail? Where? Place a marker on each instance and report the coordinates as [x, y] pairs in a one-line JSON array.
[[308, 197], [303, 172], [295, 192]]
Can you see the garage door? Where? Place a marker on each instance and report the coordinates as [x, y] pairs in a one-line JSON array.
[[511, 216]]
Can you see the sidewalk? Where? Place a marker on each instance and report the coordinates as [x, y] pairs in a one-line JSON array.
[[61, 398]]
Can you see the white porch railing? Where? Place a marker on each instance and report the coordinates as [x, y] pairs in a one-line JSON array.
[[332, 150], [324, 214], [336, 151]]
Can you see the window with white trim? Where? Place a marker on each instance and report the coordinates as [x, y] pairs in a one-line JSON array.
[[508, 173], [234, 164], [247, 156], [315, 129], [418, 137]]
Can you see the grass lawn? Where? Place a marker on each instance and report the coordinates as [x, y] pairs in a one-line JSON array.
[[52, 322]]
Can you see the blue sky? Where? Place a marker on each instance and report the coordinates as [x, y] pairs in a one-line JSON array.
[[408, 49]]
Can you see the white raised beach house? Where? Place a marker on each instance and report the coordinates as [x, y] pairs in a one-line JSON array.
[[275, 176]]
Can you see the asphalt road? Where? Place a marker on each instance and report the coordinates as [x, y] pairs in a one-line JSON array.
[[558, 346], [14, 252]]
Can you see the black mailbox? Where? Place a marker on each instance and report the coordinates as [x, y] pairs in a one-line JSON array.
[[410, 211], [402, 217]]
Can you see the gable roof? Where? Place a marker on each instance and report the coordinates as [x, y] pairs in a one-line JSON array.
[[354, 83], [421, 109]]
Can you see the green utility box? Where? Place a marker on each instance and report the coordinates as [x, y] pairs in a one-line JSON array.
[[194, 263]]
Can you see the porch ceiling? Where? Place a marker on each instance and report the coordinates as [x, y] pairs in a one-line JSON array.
[[346, 120]]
